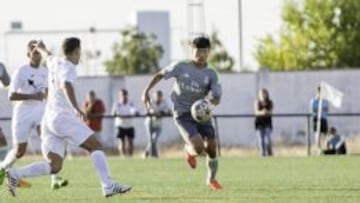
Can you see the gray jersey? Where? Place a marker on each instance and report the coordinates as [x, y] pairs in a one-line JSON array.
[[191, 84]]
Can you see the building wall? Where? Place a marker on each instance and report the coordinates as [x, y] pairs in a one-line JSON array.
[[290, 91]]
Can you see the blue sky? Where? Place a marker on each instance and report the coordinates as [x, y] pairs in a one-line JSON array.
[[259, 17]]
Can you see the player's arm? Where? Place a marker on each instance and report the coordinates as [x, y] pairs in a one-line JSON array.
[[215, 90], [4, 75], [40, 46], [145, 95], [14, 95], [69, 93]]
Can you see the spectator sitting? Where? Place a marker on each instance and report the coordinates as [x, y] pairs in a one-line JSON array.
[[335, 143]]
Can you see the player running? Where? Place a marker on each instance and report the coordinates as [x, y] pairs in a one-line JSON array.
[[28, 89], [194, 80], [61, 124]]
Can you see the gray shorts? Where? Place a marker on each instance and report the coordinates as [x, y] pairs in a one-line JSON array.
[[188, 127]]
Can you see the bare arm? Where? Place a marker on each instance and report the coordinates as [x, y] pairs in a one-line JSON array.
[[145, 95], [14, 96], [69, 92]]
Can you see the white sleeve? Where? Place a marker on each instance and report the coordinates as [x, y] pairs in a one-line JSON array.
[[67, 74]]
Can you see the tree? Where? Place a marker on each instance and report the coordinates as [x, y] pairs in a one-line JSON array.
[[219, 57], [319, 34], [138, 53]]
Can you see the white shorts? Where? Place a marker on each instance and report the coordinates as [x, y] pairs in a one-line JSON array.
[[62, 129], [24, 120]]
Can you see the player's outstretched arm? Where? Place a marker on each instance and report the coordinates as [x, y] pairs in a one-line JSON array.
[[145, 98], [40, 46]]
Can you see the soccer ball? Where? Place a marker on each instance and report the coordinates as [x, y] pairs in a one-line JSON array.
[[200, 111]]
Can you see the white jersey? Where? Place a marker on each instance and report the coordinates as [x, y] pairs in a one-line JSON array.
[[127, 109], [29, 80], [60, 71]]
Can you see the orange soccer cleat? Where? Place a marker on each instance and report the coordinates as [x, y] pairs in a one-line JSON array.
[[191, 160], [214, 185]]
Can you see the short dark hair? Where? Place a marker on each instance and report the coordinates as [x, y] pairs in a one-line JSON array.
[[70, 45], [201, 42]]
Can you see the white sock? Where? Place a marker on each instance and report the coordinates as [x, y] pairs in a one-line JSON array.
[[54, 177], [34, 169], [101, 167], [190, 149], [9, 159]]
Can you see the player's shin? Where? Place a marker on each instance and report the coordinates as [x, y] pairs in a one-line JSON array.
[[101, 167]]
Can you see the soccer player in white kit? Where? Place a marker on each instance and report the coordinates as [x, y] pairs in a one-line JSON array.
[[61, 123], [28, 89]]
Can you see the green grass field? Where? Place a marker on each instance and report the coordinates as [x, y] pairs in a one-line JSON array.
[[315, 179]]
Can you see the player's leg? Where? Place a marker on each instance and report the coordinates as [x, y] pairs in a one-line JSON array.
[[53, 149], [109, 188], [56, 181], [208, 132], [3, 145], [35, 169], [20, 134], [194, 144]]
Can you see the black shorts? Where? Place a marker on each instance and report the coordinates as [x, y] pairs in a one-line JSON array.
[[188, 127], [323, 125], [126, 132]]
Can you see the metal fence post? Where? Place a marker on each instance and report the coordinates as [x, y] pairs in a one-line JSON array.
[[308, 136]]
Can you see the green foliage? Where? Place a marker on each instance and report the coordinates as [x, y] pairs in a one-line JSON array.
[[219, 57], [320, 34], [138, 53]]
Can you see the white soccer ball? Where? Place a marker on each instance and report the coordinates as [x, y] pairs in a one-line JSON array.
[[201, 111]]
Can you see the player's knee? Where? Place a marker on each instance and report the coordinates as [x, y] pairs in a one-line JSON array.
[[55, 166], [199, 149], [20, 152]]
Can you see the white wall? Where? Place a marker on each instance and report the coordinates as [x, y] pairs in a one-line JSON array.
[[290, 91]]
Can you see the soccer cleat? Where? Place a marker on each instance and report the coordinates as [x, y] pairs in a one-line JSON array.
[[12, 183], [214, 185], [2, 175], [116, 189], [58, 183], [191, 160], [23, 183]]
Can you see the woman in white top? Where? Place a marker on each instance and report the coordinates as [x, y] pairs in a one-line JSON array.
[[124, 110], [157, 109]]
